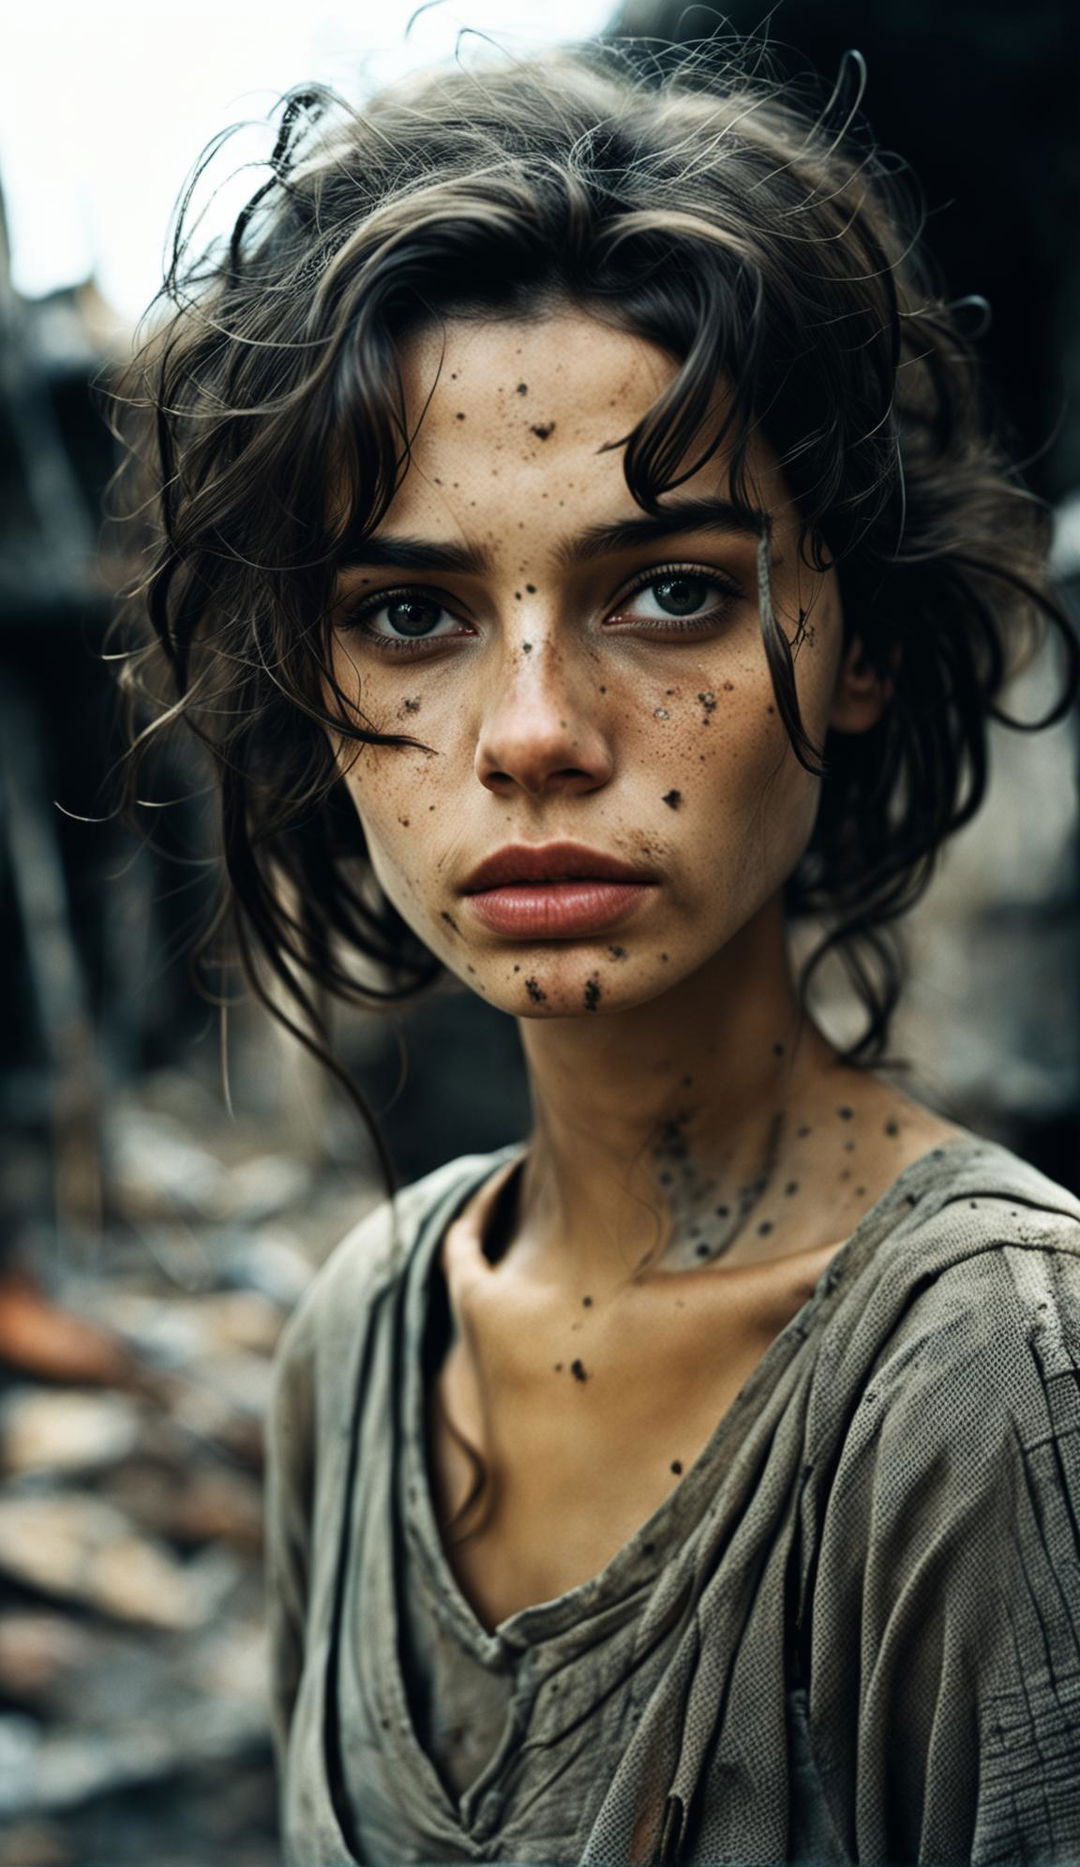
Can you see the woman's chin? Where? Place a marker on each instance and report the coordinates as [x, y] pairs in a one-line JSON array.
[[578, 985]]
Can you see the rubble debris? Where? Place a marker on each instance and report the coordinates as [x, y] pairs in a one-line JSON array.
[[84, 1550], [69, 1430]]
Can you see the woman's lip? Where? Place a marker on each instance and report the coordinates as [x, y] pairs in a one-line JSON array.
[[517, 864], [553, 910]]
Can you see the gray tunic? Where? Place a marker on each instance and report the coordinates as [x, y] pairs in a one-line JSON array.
[[851, 1633]]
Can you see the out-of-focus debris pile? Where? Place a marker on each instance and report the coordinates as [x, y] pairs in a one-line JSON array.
[[133, 1708]]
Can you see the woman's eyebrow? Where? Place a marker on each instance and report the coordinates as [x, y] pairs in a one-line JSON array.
[[407, 553], [722, 516]]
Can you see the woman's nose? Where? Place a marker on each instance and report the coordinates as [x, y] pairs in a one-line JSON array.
[[537, 736]]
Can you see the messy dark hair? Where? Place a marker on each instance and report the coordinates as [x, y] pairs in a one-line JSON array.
[[709, 210]]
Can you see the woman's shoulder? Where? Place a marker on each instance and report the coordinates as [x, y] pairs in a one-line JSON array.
[[977, 1299], [374, 1254], [978, 1211], [963, 1311]]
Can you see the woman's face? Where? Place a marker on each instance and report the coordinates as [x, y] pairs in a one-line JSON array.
[[575, 677]]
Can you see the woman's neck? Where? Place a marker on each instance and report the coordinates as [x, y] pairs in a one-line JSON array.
[[677, 1130]]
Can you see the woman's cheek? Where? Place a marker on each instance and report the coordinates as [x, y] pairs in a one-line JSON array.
[[398, 815]]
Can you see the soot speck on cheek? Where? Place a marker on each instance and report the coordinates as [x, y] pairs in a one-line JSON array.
[[672, 799]]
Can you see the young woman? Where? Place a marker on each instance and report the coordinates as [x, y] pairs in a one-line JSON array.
[[580, 550]]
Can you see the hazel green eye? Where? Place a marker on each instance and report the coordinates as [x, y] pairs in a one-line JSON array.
[[404, 619], [681, 598]]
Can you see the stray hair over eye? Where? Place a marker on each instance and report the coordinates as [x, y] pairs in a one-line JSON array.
[[699, 208]]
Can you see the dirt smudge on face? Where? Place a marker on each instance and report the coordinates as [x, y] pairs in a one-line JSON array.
[[450, 921], [592, 994], [577, 1369], [672, 799], [536, 991], [617, 952], [542, 429]]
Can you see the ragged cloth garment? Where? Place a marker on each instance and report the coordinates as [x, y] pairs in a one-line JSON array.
[[850, 1634]]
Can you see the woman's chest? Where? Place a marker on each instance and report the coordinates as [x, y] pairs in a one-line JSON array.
[[549, 1447]]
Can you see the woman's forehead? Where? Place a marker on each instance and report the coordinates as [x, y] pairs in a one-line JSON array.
[[562, 374], [526, 419]]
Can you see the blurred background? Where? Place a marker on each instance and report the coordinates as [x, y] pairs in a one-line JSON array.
[[154, 1238]]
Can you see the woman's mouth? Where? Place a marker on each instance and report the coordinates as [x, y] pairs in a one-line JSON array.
[[539, 891], [548, 910]]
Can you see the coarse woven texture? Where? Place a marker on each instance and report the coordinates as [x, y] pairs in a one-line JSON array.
[[851, 1633]]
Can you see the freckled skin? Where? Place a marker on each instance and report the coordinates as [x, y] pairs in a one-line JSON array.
[[557, 701], [522, 748]]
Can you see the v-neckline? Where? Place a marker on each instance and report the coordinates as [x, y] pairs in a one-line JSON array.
[[640, 1558]]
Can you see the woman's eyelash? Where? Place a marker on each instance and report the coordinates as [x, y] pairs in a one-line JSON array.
[[359, 615], [729, 590]]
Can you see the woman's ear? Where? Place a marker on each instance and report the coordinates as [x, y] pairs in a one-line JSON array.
[[861, 693]]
